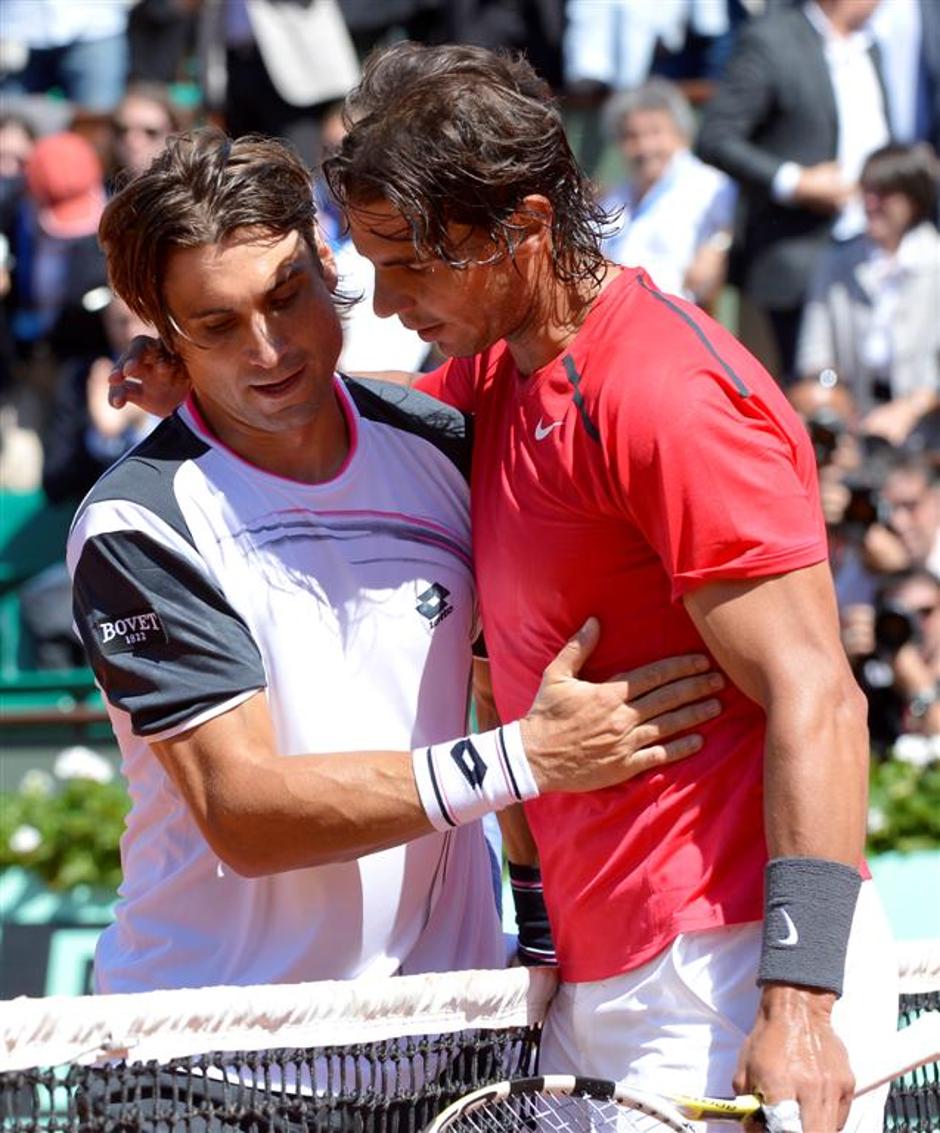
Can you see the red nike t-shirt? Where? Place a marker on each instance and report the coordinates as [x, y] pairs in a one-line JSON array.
[[652, 456]]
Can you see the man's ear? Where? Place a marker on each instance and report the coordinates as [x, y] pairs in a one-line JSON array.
[[534, 215], [327, 261]]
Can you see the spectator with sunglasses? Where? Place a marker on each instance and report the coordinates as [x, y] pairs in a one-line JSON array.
[[142, 122]]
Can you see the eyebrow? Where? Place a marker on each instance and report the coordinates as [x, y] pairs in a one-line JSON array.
[[285, 274]]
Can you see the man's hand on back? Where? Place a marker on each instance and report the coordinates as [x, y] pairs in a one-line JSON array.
[[581, 736], [149, 376]]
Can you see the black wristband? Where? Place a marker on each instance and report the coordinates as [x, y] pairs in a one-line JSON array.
[[809, 904], [535, 934]]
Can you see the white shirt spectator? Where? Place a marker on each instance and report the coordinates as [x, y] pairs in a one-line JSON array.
[[689, 205]]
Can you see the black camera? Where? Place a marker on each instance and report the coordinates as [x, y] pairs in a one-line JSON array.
[[865, 506], [825, 428], [895, 626]]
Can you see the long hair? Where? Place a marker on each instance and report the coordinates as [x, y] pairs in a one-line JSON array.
[[203, 187], [460, 134]]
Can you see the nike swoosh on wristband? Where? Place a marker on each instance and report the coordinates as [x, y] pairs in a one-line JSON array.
[[793, 936], [542, 431]]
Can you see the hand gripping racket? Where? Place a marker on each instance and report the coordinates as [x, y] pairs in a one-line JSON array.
[[564, 1104]]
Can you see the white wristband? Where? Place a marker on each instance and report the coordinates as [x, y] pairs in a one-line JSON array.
[[461, 780]]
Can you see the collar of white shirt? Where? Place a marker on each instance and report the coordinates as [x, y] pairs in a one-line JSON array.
[[837, 46]]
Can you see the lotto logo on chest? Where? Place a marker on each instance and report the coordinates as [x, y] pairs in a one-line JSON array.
[[121, 635]]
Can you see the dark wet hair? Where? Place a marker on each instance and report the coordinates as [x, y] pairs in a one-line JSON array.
[[462, 134]]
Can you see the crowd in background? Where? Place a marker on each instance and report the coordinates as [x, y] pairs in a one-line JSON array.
[[771, 160]]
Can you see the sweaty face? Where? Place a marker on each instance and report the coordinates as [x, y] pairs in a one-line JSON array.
[[461, 310], [649, 141], [259, 336]]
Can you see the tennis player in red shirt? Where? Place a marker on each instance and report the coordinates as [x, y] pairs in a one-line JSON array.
[[713, 920]]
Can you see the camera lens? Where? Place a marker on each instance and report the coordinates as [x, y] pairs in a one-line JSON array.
[[895, 626]]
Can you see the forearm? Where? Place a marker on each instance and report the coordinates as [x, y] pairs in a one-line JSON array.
[[270, 813], [815, 801], [816, 772]]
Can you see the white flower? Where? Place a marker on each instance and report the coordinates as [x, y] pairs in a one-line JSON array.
[[37, 782], [83, 763], [25, 839], [876, 820], [916, 750]]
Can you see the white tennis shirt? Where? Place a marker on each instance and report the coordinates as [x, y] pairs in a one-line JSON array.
[[200, 579]]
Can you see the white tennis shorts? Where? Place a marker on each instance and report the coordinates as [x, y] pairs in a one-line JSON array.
[[677, 1024]]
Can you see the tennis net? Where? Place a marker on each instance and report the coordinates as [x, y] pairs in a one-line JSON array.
[[366, 1056], [913, 1104]]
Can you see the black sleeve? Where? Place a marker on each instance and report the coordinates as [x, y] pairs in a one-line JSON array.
[[163, 641]]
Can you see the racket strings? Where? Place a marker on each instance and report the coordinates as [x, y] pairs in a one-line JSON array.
[[548, 1113]]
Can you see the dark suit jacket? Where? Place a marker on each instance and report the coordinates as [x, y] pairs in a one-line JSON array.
[[930, 32], [775, 104]]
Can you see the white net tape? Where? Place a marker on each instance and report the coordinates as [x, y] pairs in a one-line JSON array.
[[162, 1025], [919, 965]]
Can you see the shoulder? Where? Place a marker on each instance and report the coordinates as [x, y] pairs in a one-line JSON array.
[[699, 187], [146, 477], [669, 355], [415, 413], [704, 176], [783, 23], [922, 244], [776, 35]]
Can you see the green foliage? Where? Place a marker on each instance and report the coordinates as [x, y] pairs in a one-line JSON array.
[[904, 806], [66, 828], [65, 831]]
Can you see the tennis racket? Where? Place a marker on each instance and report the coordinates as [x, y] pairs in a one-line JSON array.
[[591, 1105]]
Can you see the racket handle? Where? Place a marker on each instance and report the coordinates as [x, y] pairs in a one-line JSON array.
[[741, 1108]]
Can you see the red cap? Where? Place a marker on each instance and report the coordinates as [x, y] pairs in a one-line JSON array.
[[65, 179]]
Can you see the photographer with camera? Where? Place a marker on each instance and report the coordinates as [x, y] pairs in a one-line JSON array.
[[901, 674], [851, 468], [882, 510], [892, 518]]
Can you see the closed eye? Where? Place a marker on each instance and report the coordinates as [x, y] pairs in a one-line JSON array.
[[284, 299]]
